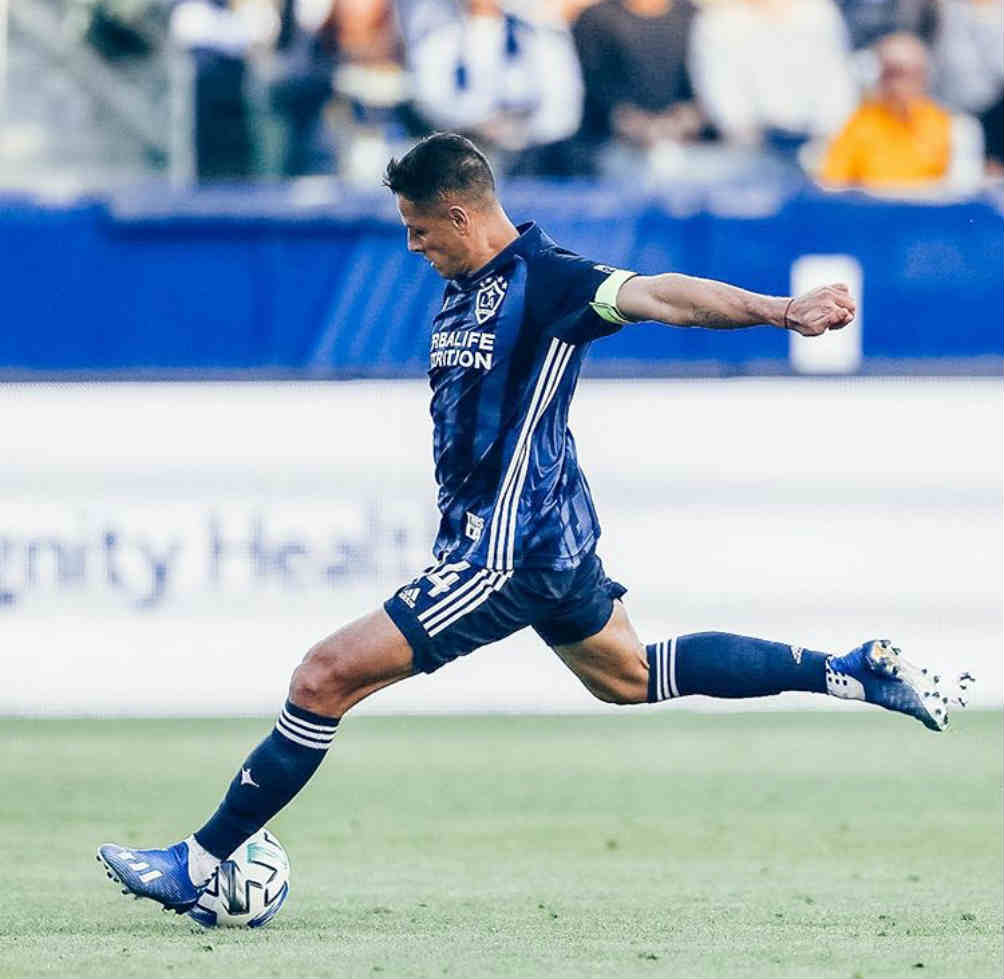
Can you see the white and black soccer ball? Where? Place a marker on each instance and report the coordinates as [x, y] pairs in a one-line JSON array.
[[249, 888]]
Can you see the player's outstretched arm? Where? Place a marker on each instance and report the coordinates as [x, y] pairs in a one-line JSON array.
[[683, 300]]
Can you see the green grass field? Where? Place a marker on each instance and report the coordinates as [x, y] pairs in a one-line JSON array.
[[643, 844]]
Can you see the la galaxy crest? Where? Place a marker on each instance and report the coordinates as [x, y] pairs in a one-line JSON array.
[[489, 297]]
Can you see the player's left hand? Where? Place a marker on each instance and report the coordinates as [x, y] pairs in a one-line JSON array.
[[822, 309]]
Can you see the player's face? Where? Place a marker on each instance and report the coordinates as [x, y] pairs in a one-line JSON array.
[[440, 233]]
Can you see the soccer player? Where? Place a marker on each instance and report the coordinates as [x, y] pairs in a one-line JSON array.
[[517, 539]]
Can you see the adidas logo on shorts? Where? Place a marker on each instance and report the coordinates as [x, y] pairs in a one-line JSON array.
[[409, 596]]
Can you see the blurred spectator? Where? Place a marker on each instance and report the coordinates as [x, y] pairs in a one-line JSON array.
[[992, 122], [366, 31], [509, 79], [968, 54], [370, 83], [218, 39], [899, 137], [307, 52], [968, 62], [870, 20], [340, 84], [119, 29], [772, 71], [633, 55]]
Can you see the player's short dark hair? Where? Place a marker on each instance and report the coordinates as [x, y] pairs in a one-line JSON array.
[[441, 165]]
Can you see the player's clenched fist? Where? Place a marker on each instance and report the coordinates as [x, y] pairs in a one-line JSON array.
[[822, 309]]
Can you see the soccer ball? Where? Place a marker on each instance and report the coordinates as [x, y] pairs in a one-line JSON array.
[[248, 889]]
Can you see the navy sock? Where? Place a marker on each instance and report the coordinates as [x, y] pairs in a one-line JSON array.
[[719, 664], [272, 774]]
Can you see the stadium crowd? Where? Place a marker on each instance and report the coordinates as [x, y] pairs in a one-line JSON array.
[[874, 93]]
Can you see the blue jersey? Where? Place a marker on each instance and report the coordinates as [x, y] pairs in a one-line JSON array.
[[504, 359]]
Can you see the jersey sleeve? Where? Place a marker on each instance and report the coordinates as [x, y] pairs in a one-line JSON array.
[[574, 298]]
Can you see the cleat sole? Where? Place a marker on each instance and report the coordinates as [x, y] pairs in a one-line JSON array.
[[933, 697], [114, 878]]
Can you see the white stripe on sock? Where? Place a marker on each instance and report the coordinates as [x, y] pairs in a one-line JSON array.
[[294, 725], [287, 727], [672, 668], [290, 735], [321, 728]]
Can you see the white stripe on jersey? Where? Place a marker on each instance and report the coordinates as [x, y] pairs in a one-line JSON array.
[[502, 537], [556, 374], [494, 553]]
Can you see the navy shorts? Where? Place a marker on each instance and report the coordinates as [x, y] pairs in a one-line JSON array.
[[454, 607]]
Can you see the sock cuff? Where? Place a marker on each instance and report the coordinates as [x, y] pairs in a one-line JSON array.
[[301, 713], [662, 671], [305, 728]]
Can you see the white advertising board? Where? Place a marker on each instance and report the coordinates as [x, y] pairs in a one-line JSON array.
[[176, 548]]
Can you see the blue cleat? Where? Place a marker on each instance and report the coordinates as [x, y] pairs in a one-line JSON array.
[[161, 875], [877, 673]]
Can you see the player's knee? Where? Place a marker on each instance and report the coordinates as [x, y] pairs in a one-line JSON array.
[[323, 682], [309, 688]]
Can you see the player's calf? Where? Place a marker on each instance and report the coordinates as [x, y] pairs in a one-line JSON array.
[[612, 664], [619, 690]]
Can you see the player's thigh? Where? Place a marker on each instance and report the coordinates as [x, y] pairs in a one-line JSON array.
[[350, 664], [612, 664]]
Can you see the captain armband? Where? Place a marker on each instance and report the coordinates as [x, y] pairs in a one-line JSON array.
[[604, 303]]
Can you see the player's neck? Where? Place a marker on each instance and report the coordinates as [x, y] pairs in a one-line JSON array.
[[497, 234]]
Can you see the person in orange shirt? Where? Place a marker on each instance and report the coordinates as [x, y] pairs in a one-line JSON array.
[[899, 137]]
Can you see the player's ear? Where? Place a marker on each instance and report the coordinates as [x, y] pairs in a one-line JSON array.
[[460, 219]]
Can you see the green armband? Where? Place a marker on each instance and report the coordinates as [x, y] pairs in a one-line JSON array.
[[604, 303]]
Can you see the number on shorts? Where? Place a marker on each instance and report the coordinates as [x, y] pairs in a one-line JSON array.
[[444, 578]]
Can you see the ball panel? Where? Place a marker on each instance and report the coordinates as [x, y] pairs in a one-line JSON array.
[[249, 888]]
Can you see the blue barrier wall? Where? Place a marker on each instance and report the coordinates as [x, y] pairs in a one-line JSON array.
[[260, 279]]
